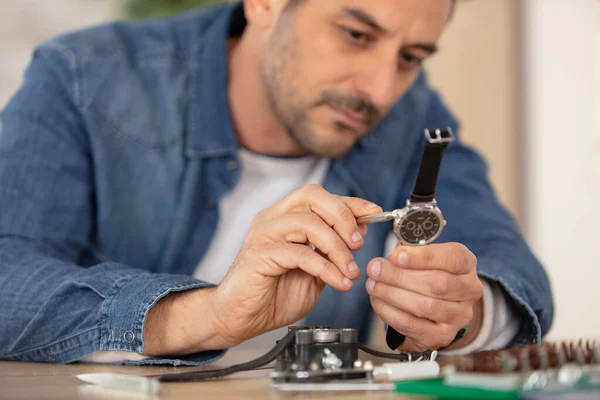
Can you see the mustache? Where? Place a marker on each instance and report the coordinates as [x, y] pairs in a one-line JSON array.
[[356, 104]]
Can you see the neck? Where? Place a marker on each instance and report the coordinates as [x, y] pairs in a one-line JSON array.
[[256, 126]]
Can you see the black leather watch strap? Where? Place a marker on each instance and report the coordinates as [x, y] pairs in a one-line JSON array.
[[394, 339], [435, 143], [459, 335]]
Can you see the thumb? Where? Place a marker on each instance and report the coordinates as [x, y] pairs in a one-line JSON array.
[[410, 345]]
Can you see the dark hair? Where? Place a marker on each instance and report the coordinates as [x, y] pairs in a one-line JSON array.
[[295, 3]]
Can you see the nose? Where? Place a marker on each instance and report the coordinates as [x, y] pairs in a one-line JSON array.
[[379, 82]]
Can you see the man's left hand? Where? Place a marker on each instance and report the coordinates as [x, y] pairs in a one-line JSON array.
[[427, 293]]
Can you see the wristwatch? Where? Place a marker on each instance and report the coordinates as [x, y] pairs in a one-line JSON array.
[[421, 221]]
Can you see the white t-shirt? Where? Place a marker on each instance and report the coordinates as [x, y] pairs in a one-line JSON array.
[[264, 181]]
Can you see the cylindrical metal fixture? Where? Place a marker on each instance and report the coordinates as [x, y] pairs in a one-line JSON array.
[[304, 336], [326, 335], [348, 335]]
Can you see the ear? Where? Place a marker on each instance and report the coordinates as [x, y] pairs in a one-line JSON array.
[[259, 13]]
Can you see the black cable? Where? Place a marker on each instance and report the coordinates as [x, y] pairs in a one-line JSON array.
[[402, 356], [271, 355], [247, 366]]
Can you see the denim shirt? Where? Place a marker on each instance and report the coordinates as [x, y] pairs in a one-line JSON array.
[[114, 154]]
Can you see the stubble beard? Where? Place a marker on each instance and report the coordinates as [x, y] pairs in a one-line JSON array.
[[278, 66]]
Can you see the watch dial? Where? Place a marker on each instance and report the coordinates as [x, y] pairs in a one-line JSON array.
[[419, 226]]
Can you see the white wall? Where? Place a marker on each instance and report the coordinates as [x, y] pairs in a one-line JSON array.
[[25, 23], [477, 71], [562, 156]]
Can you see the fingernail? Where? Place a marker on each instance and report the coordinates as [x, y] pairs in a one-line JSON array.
[[346, 281], [403, 259], [370, 284], [376, 269], [352, 266], [356, 236], [370, 206]]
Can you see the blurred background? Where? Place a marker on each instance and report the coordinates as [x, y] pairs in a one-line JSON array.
[[520, 76]]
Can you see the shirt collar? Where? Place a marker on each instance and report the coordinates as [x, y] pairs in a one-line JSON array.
[[211, 132]]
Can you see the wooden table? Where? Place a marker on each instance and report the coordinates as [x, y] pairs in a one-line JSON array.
[[49, 381]]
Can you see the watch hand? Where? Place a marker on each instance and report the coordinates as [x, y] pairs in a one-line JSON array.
[[427, 225], [419, 230]]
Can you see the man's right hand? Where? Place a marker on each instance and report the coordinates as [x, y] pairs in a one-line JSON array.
[[292, 250]]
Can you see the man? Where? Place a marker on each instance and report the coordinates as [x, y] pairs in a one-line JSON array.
[[176, 187]]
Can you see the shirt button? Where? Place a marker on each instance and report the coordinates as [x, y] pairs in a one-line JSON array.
[[51, 356], [210, 204], [129, 337], [232, 165]]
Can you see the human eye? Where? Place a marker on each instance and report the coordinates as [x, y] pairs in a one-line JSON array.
[[356, 37], [409, 60]]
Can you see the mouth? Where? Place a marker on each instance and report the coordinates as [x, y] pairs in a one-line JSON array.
[[352, 120]]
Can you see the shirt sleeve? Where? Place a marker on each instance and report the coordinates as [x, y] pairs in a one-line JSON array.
[[59, 303]]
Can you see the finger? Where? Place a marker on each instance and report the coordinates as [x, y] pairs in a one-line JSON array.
[[454, 258], [363, 230], [360, 207], [431, 283], [307, 227], [331, 208], [427, 334], [435, 310], [414, 346], [281, 258]]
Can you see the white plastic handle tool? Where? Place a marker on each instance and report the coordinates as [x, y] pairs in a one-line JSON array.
[[130, 383], [402, 371]]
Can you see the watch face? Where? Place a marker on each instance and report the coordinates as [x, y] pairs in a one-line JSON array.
[[419, 226]]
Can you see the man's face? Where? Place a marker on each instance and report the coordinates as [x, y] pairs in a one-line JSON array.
[[332, 69]]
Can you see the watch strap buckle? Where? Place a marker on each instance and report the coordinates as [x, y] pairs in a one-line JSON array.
[[439, 136]]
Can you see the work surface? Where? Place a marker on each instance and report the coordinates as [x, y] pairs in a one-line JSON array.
[[48, 381]]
